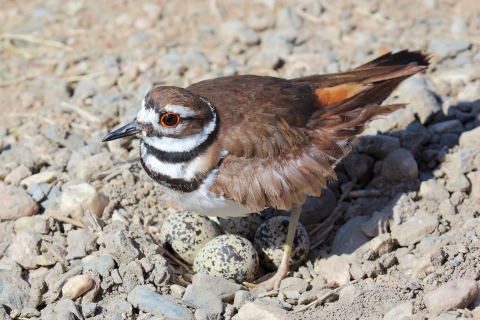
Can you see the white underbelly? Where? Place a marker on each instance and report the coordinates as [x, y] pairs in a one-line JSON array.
[[204, 202]]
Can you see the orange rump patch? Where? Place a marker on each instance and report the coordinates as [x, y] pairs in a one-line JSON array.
[[332, 95]]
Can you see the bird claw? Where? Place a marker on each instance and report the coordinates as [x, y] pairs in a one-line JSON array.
[[272, 283]]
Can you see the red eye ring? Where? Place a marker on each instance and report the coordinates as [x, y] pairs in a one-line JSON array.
[[170, 120]]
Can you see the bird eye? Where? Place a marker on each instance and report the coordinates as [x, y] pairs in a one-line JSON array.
[[169, 120]]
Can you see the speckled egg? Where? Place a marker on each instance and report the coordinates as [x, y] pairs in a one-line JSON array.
[[230, 257], [187, 232], [270, 241], [246, 226]]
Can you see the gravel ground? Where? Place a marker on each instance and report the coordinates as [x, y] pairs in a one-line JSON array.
[[81, 224]]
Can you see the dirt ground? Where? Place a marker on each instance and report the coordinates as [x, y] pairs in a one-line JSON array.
[[70, 71]]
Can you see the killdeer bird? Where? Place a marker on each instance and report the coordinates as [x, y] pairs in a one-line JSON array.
[[235, 145]]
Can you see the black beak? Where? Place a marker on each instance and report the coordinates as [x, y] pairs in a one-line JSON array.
[[125, 131]]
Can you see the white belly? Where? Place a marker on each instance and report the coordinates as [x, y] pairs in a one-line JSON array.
[[204, 202]]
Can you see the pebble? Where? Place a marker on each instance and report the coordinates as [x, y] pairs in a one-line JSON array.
[[414, 91], [49, 89], [237, 30], [334, 269], [187, 233], [317, 209], [414, 229], [457, 182], [307, 297], [399, 119], [350, 237], [453, 295], [254, 311], [470, 139], [200, 298], [14, 290], [288, 18], [358, 166], [76, 286], [431, 190], [119, 246], [18, 174], [82, 197], [223, 288], [207, 314], [147, 301], [428, 263], [177, 291], [39, 178], [377, 224], [378, 146], [400, 166], [86, 169], [79, 242], [402, 311], [32, 224], [64, 309], [36, 192], [24, 249], [270, 240], [474, 178], [461, 161], [242, 297], [89, 309], [16, 203], [446, 126], [401, 208], [102, 265], [293, 284], [230, 257]]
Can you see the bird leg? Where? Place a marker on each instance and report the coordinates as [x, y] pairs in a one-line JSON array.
[[274, 282]]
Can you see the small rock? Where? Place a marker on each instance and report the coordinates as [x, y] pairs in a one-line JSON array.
[[350, 237], [461, 161], [413, 137], [398, 119], [147, 301], [317, 209], [237, 30], [401, 208], [39, 178], [251, 310], [293, 284], [32, 224], [470, 139], [17, 174], [16, 203], [64, 309], [414, 229], [87, 168], [414, 91], [242, 297], [334, 269], [89, 309], [474, 178], [177, 291], [358, 166], [119, 246], [402, 311], [24, 249], [377, 224], [14, 290], [457, 182], [76, 286], [356, 271], [103, 265], [428, 263], [372, 268], [82, 197], [119, 306], [79, 242], [288, 18], [206, 314], [224, 289], [378, 146], [199, 298], [382, 244], [400, 166], [447, 47], [455, 294], [307, 297], [446, 126], [431, 190]]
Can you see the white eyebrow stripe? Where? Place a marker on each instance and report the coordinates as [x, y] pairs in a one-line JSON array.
[[182, 111]]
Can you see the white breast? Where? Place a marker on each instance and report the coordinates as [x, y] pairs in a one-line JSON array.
[[205, 202]]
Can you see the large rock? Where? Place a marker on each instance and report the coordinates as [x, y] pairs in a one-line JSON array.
[[82, 197], [453, 295], [16, 203]]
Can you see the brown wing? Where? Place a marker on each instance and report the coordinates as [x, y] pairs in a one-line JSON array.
[[284, 136]]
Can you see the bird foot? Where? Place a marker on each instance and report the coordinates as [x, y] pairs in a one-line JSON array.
[[272, 283]]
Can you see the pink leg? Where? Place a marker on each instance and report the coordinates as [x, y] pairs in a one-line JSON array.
[[274, 282]]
